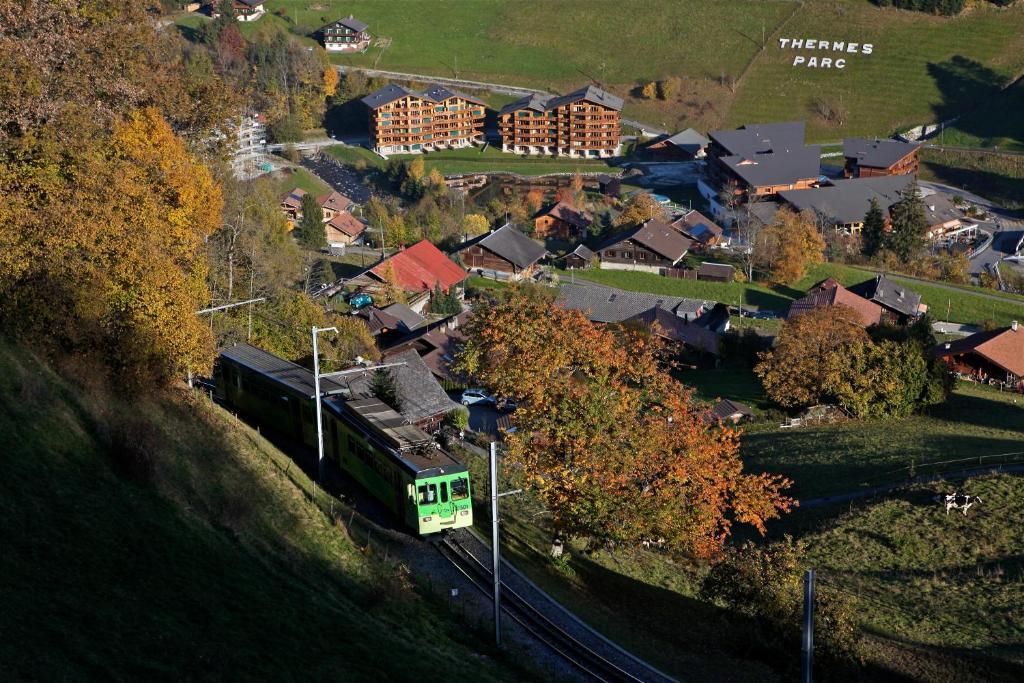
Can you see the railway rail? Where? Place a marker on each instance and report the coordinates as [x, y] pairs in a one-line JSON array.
[[534, 621]]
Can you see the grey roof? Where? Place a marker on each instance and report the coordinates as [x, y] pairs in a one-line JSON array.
[[439, 93], [376, 320], [295, 377], [847, 201], [688, 139], [659, 237], [391, 92], [780, 167], [939, 208], [420, 395], [511, 245], [582, 251], [545, 102], [610, 305], [726, 408], [895, 296], [763, 210], [353, 23], [876, 153], [409, 318], [761, 138]]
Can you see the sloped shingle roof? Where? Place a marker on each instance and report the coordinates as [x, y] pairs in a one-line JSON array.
[[1004, 347], [876, 153], [610, 305], [420, 394], [659, 237], [895, 296], [420, 267], [677, 329], [828, 292], [511, 245]]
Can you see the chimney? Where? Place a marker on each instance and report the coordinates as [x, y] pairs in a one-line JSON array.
[[1013, 326]]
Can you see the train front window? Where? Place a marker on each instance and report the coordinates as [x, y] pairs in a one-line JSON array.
[[428, 494], [460, 489]]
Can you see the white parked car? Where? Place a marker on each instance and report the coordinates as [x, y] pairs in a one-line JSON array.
[[474, 396]]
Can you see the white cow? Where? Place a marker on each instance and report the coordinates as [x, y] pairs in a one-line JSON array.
[[959, 501]]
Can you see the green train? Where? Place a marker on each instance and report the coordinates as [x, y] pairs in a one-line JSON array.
[[398, 463]]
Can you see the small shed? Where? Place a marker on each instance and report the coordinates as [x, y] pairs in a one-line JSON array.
[[716, 272], [579, 258], [609, 185], [731, 411]]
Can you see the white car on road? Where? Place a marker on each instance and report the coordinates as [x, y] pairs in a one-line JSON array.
[[474, 396]]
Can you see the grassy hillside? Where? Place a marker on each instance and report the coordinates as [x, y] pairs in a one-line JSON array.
[[151, 538], [997, 123], [922, 68]]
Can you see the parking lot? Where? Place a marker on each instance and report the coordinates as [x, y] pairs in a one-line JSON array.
[[342, 178]]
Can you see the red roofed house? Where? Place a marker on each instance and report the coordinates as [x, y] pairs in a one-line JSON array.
[[420, 268], [562, 221], [996, 356], [829, 292]]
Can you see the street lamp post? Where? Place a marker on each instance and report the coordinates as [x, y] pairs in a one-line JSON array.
[[316, 390]]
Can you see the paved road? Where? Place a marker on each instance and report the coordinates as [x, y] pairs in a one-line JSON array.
[[498, 88]]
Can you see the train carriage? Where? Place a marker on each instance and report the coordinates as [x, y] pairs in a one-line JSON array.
[[396, 462]]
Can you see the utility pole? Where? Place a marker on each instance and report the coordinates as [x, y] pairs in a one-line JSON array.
[[495, 548], [495, 551], [316, 390], [807, 644]]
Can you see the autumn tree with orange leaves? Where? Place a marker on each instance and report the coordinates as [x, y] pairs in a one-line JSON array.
[[615, 447]]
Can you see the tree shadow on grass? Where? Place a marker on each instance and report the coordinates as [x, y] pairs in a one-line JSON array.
[[769, 301]]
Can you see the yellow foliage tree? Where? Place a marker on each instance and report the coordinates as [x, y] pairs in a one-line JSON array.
[[475, 224], [789, 245]]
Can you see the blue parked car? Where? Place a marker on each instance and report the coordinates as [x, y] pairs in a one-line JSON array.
[[361, 300]]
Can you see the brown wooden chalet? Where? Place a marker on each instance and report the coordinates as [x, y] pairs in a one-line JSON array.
[[502, 254], [869, 158], [731, 411], [653, 247], [248, 10], [334, 203], [829, 292], [345, 35], [579, 258], [403, 120], [995, 357], [900, 304], [584, 123], [291, 204], [683, 146], [562, 221]]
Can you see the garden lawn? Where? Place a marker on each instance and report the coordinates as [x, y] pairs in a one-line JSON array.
[[735, 384], [923, 68], [283, 182], [976, 426]]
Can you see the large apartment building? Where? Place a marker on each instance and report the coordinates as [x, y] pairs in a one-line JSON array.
[[406, 121], [584, 123]]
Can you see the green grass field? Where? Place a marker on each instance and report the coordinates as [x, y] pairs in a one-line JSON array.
[[997, 123], [156, 537], [997, 177], [284, 181], [736, 384], [923, 68], [937, 592], [964, 304]]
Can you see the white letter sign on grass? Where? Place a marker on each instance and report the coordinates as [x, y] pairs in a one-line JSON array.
[[815, 62]]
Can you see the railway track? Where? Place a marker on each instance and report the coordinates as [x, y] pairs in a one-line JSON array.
[[589, 662]]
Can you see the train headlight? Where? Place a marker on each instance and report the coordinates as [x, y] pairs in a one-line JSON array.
[[427, 519], [464, 513]]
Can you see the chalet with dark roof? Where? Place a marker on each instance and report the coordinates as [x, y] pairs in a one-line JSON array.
[[502, 254], [652, 247], [609, 305], [683, 146], [996, 356], [899, 303], [694, 337], [731, 411], [579, 258], [871, 158], [562, 221], [702, 230], [345, 35]]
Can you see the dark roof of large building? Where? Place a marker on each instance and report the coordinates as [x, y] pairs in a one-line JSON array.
[[829, 292], [511, 245], [674, 328], [353, 23], [895, 296], [419, 394], [659, 237], [1004, 347], [610, 305], [876, 153], [545, 102], [689, 140], [780, 167], [761, 138], [295, 377], [848, 201], [391, 92]]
